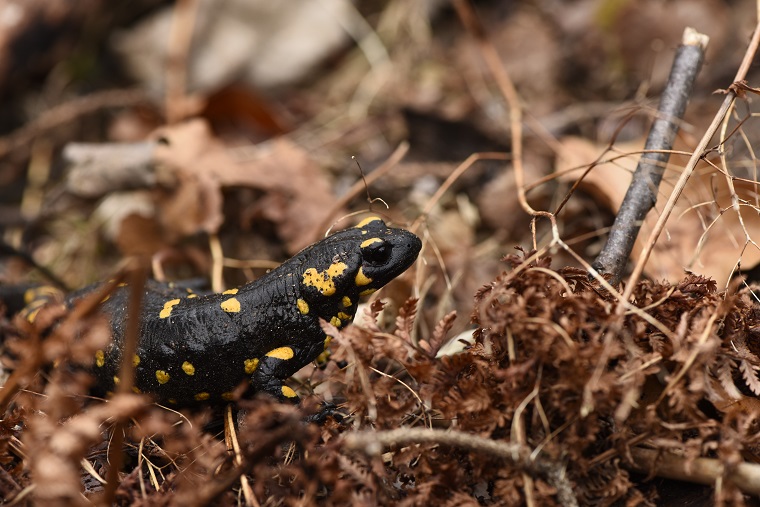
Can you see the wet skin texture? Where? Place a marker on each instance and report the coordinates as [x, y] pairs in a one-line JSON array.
[[197, 349]]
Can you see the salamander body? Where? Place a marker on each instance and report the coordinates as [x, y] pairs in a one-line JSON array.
[[196, 349]]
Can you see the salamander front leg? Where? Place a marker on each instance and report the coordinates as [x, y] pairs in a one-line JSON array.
[[273, 369]]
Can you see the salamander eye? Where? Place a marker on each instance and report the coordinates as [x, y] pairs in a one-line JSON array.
[[376, 253]]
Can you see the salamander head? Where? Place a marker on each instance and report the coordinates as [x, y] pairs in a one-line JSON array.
[[356, 261]]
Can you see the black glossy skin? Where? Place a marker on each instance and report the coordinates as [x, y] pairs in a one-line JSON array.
[[198, 349]]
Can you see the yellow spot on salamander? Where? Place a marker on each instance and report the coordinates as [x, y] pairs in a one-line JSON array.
[[100, 358], [168, 308], [283, 353], [108, 296], [231, 305], [188, 368], [121, 284], [368, 242], [202, 396], [335, 321], [172, 401], [116, 379], [288, 392], [162, 376], [136, 390], [344, 316], [328, 339], [45, 292], [324, 281], [346, 301], [251, 365], [303, 306], [230, 291], [228, 396], [367, 292], [191, 296], [33, 315], [135, 360], [362, 279], [366, 221]]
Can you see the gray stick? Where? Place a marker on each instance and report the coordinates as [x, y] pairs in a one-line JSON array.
[[642, 193]]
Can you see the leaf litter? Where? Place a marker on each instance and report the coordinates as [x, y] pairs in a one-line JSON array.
[[552, 399]]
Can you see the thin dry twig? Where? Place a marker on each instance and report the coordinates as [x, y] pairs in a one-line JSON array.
[[181, 36], [496, 67], [68, 112], [372, 442], [137, 278]]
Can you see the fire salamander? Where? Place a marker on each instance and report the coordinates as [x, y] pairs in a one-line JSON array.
[[196, 349]]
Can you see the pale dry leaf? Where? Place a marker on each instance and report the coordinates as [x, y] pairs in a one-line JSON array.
[[297, 192]]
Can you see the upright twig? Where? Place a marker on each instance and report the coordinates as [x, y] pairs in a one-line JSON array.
[[137, 277], [642, 192], [698, 153], [178, 55], [507, 88]]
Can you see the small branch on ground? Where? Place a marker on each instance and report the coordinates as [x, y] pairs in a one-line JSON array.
[[642, 193], [372, 442], [745, 476]]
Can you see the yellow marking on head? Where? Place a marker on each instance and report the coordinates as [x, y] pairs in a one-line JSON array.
[[362, 279], [335, 321], [30, 295], [283, 353], [231, 305], [188, 368], [168, 308], [344, 316], [251, 365], [136, 390], [162, 376], [368, 242], [288, 392], [346, 301], [230, 291], [33, 315], [324, 281], [108, 296], [202, 396], [43, 291], [228, 396], [367, 292], [100, 358], [135, 360], [116, 379], [366, 221], [191, 296], [303, 306]]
